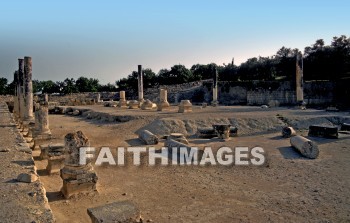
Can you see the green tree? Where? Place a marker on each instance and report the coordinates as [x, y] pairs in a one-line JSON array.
[[3, 85]]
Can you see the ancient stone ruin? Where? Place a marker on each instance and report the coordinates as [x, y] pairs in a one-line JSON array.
[[77, 178]]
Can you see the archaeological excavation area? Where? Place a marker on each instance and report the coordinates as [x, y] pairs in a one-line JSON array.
[[304, 177]]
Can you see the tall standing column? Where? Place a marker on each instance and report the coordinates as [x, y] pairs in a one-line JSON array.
[[215, 88], [140, 83], [28, 89], [299, 79], [15, 98], [21, 89]]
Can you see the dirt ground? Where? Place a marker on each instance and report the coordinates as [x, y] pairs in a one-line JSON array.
[[288, 188]]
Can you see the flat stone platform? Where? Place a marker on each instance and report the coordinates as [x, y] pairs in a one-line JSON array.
[[19, 202]]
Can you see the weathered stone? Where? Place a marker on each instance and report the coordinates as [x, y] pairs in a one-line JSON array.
[[28, 89], [27, 177], [42, 119], [288, 132], [305, 146], [51, 150], [76, 112], [148, 137], [55, 164], [123, 212], [134, 104], [77, 177], [147, 105], [204, 105], [323, 131], [185, 106]]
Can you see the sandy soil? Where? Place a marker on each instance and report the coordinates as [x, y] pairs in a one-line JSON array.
[[289, 188]]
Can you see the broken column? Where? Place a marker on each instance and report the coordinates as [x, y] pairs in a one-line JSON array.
[[185, 106], [140, 83], [122, 101], [134, 104], [215, 88], [288, 132], [306, 147], [148, 137], [28, 90], [163, 100], [77, 177], [299, 79]]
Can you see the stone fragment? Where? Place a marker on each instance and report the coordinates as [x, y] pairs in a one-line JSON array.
[[76, 112], [147, 105], [27, 177], [121, 212]]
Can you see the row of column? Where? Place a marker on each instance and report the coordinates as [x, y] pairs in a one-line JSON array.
[[23, 100], [32, 127]]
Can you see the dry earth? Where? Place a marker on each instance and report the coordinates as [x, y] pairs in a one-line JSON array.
[[288, 188]]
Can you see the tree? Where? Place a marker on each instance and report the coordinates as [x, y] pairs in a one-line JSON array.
[[3, 86], [69, 86]]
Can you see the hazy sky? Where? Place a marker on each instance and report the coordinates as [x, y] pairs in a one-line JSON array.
[[108, 39]]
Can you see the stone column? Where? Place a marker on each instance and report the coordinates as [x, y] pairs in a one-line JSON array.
[[15, 97], [140, 83], [28, 90], [215, 88], [98, 97], [163, 100], [77, 177], [122, 101], [21, 89], [299, 79]]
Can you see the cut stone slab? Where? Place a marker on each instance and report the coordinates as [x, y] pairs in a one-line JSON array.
[[121, 212], [323, 131], [27, 177]]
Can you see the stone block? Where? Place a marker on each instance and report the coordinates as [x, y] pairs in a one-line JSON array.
[[123, 212]]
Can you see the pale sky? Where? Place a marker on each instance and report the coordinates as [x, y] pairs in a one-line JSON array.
[[108, 39]]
